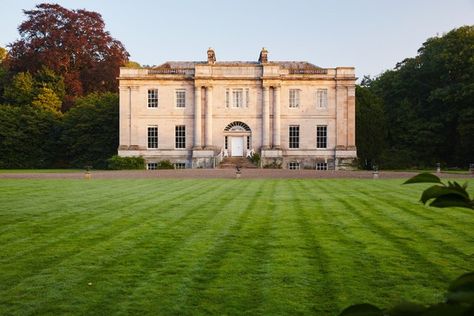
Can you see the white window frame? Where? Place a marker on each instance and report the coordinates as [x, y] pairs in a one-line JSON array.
[[151, 166], [180, 98], [180, 139], [321, 166], [149, 141], [179, 165], [294, 98], [238, 98], [152, 98], [322, 98], [293, 140], [321, 136], [294, 165], [247, 97], [227, 97]]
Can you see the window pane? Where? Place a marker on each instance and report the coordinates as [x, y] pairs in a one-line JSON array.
[[153, 137], [321, 136], [294, 136], [180, 136], [294, 98], [322, 98], [237, 95], [180, 98], [153, 98]]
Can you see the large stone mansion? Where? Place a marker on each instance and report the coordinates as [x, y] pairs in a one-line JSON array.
[[294, 114]]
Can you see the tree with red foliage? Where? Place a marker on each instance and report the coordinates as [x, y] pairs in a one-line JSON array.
[[72, 43]]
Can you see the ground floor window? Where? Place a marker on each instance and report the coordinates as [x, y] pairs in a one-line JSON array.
[[153, 137], [151, 165], [248, 142], [321, 136], [180, 165], [294, 136], [180, 136], [321, 166], [294, 165], [226, 142]]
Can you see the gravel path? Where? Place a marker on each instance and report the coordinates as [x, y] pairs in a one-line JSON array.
[[223, 174]]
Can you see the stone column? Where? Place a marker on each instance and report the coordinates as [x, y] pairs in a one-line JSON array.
[[276, 119], [341, 117], [197, 117], [266, 118], [208, 139], [351, 145]]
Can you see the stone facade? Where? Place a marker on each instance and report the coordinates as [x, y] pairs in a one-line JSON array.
[[195, 113]]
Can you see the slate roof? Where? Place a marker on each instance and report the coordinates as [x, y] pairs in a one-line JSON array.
[[192, 64]]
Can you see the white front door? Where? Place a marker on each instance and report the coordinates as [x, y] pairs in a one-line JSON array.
[[237, 148]]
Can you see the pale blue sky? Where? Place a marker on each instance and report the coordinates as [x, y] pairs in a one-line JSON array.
[[372, 35]]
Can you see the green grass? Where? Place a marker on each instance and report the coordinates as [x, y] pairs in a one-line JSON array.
[[40, 170], [199, 247]]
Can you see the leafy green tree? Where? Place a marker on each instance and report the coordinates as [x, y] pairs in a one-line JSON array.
[[20, 91], [428, 100], [28, 137], [47, 99], [370, 127], [47, 78], [90, 130], [3, 72]]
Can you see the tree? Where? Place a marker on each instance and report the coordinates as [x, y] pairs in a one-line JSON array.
[[28, 137], [46, 78], [72, 43], [428, 100], [20, 91], [370, 127], [47, 100], [3, 71], [90, 130]]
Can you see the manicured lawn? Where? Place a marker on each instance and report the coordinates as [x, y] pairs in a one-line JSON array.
[[40, 170], [273, 247]]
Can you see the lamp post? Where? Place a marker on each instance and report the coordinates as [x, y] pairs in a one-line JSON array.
[[375, 172]]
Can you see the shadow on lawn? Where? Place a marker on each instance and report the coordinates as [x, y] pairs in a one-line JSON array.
[[460, 296]]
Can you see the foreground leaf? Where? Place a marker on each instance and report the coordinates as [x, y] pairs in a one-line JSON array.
[[362, 310], [424, 177]]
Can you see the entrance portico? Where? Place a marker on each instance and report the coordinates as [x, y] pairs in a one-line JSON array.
[[238, 139]]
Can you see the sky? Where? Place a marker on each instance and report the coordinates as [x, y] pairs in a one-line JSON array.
[[371, 35]]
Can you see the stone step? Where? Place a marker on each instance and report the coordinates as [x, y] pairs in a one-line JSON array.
[[233, 162]]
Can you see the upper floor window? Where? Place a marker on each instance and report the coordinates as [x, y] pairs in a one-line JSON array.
[[322, 98], [180, 134], [294, 136], [152, 136], [152, 98], [294, 98], [180, 98], [236, 98], [321, 136]]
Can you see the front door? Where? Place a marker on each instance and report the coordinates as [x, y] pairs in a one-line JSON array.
[[237, 144]]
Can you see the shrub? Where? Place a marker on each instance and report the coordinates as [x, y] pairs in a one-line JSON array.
[[165, 164], [255, 158], [124, 163]]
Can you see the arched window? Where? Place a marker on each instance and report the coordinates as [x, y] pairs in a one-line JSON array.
[[237, 126]]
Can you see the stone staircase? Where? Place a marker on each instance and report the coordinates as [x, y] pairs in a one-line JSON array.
[[232, 162]]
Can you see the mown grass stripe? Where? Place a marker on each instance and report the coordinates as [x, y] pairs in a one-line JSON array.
[[88, 261]]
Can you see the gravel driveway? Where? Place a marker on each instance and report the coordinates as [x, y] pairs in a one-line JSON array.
[[223, 174]]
